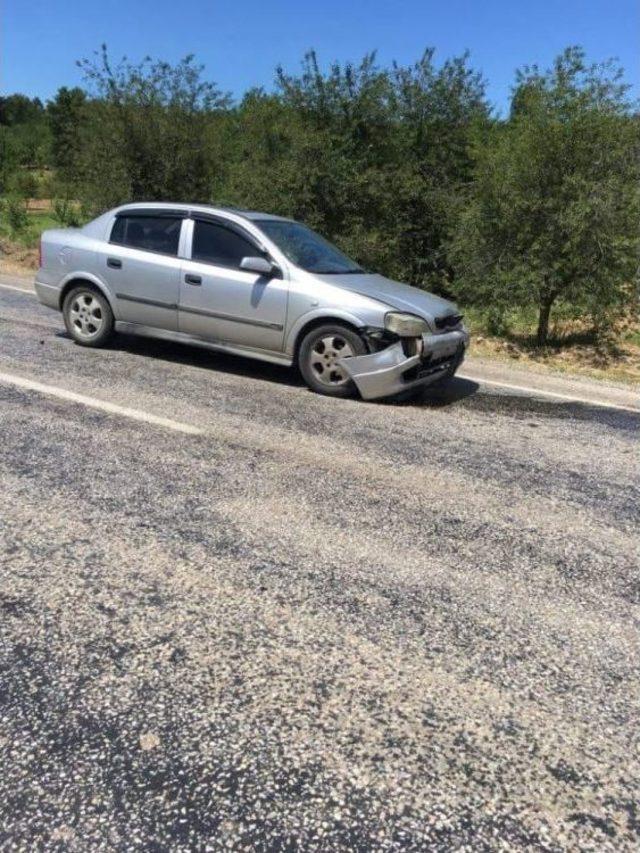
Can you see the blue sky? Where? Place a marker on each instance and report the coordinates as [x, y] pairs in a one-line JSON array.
[[241, 43]]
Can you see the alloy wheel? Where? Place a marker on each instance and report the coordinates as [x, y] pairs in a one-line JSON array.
[[323, 360], [86, 315]]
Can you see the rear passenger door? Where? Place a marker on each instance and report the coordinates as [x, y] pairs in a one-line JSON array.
[[221, 302], [141, 267]]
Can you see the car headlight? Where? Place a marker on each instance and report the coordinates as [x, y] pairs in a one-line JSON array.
[[405, 325]]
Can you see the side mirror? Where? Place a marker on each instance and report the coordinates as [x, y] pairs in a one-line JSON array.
[[258, 265]]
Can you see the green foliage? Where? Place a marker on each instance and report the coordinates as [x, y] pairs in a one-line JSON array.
[[25, 183], [8, 158], [15, 214], [552, 215], [25, 130], [371, 157], [67, 213], [496, 321], [146, 132], [19, 109], [68, 115]]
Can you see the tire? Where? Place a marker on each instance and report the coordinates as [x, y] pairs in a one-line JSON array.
[[317, 355], [87, 316]]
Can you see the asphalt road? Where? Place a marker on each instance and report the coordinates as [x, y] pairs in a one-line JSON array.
[[237, 615]]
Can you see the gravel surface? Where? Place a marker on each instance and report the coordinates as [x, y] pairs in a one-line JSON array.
[[322, 625]]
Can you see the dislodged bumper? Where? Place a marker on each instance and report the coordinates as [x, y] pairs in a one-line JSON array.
[[390, 371]]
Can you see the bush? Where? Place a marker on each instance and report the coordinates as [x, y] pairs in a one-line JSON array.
[[25, 184], [15, 212], [496, 322], [67, 213]]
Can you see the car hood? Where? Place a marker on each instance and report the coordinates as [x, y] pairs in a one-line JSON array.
[[396, 295]]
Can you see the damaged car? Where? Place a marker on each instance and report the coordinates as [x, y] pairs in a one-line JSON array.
[[251, 284]]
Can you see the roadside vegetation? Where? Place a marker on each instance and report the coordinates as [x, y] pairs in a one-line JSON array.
[[530, 220]]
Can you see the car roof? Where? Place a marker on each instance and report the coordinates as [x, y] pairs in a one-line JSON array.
[[200, 208]]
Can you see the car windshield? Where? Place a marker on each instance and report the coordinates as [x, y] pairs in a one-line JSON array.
[[306, 249]]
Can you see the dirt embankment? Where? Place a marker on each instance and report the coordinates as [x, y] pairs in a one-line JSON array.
[[16, 259], [619, 363]]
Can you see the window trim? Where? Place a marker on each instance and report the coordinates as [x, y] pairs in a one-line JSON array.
[[158, 213], [180, 215], [236, 229]]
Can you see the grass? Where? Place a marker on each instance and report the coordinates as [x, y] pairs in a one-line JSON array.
[[28, 237], [38, 222], [19, 249], [633, 337]]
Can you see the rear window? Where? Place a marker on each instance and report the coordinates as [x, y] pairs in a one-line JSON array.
[[151, 233]]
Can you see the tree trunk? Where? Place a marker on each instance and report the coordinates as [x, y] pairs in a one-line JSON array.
[[543, 320]]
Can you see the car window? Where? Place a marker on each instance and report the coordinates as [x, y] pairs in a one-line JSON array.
[[153, 233], [219, 245]]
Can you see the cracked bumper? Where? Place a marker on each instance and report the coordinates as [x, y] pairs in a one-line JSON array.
[[390, 371]]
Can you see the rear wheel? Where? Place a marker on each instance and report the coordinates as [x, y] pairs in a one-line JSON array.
[[87, 316], [321, 350]]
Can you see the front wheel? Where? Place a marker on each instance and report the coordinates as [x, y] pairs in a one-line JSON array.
[[318, 357], [87, 316]]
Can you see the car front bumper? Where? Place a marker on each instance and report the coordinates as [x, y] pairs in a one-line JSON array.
[[390, 371]]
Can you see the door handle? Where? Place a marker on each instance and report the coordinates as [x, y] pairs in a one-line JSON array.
[[114, 263], [193, 279]]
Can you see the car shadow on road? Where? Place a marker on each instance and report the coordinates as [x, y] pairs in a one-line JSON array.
[[438, 396], [206, 359], [433, 397]]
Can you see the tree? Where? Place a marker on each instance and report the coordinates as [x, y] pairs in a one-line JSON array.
[[371, 157], [25, 130], [306, 150], [342, 143], [147, 130], [67, 115], [438, 111], [553, 212], [20, 109], [8, 158]]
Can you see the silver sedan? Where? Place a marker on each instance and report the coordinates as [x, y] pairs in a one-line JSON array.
[[252, 284]]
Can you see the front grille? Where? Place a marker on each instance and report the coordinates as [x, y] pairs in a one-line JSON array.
[[450, 321]]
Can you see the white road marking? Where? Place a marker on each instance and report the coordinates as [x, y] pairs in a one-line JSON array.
[[540, 392], [100, 405], [18, 289]]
